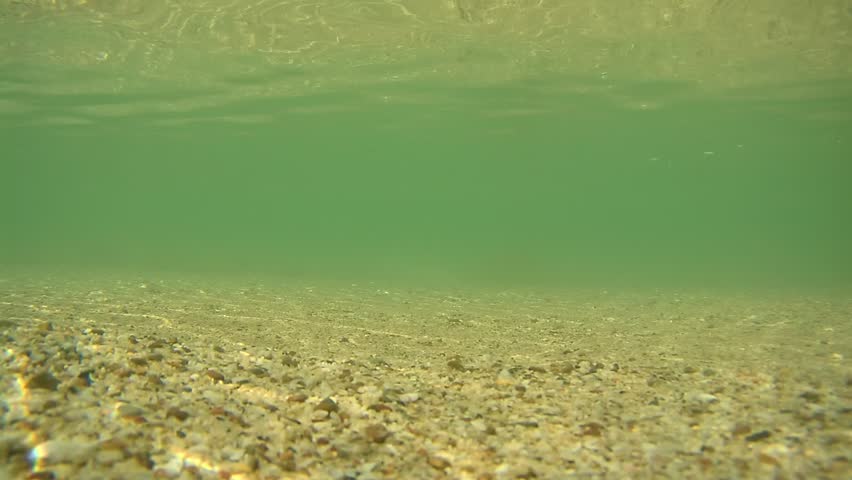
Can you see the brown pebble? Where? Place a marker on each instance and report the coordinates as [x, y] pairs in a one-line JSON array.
[[456, 364], [237, 418], [136, 419], [527, 423], [439, 463], [84, 379], [126, 410], [259, 371], [42, 475], [377, 433], [289, 361], [155, 357], [287, 461], [757, 436], [43, 381], [380, 407], [177, 413], [112, 444], [591, 429], [741, 429], [811, 396], [98, 331], [562, 368], [216, 375], [327, 405], [139, 361], [297, 398]]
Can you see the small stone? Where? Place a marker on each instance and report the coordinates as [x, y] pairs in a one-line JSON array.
[[169, 469], [297, 398], [216, 376], [84, 379], [42, 475], [177, 413], [773, 454], [407, 398], [320, 416], [811, 396], [562, 367], [155, 381], [380, 407], [46, 327], [591, 429], [377, 433], [439, 463], [456, 364], [757, 436], [740, 429], [704, 398], [125, 410], [43, 381], [109, 456], [327, 405], [527, 423], [139, 361], [504, 378], [55, 452]]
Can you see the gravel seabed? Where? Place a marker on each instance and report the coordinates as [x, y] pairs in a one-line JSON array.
[[173, 378]]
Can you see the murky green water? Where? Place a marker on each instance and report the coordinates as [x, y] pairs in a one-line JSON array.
[[450, 238], [469, 141]]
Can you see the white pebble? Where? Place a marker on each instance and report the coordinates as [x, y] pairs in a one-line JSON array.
[[704, 398], [61, 451], [409, 397]]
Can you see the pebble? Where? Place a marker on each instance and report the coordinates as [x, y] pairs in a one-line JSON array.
[[43, 381], [181, 409], [54, 452], [327, 405], [704, 398], [377, 433]]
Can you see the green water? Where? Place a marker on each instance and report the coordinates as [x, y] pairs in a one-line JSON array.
[[468, 142]]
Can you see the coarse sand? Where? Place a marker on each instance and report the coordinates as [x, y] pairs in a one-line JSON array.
[[110, 378]]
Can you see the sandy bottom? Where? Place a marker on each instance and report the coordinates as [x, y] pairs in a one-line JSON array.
[[169, 378]]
